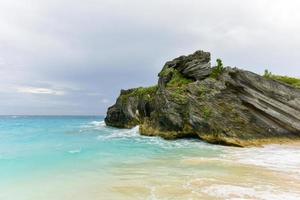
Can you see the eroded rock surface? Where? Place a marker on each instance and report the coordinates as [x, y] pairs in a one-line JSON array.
[[237, 108]]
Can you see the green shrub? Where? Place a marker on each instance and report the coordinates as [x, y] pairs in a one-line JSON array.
[[177, 85], [144, 91], [166, 72], [218, 69], [147, 93], [178, 80], [267, 74]]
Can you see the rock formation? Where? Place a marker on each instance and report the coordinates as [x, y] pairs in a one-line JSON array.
[[227, 106]]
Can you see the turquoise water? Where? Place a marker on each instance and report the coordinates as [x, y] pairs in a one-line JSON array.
[[80, 158]]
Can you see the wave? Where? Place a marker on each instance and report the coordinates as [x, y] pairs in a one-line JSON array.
[[110, 133], [134, 135], [275, 157], [98, 123], [234, 192], [94, 125], [120, 133], [217, 188]]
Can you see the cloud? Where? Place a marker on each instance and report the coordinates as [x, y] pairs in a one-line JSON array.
[[32, 90], [75, 52]]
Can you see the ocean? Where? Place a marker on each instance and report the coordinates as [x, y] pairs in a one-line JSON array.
[[79, 158]]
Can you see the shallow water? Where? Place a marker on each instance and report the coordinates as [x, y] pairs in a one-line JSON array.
[[79, 158]]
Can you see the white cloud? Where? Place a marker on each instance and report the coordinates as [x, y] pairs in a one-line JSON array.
[[34, 90], [91, 49]]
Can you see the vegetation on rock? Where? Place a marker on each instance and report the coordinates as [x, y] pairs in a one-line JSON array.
[[207, 112], [143, 91], [295, 82], [218, 69], [178, 80], [177, 86]]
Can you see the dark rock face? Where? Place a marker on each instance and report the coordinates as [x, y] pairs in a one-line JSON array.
[[195, 66], [237, 108]]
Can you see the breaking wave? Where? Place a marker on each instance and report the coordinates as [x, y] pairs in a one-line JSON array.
[[282, 158]]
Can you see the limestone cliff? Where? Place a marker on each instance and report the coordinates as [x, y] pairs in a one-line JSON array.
[[226, 106]]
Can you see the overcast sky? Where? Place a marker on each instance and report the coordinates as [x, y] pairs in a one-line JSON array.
[[74, 56]]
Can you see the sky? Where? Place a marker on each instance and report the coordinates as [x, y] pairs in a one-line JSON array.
[[72, 57]]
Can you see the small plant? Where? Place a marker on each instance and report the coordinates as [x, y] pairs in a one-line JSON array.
[[267, 74], [219, 63], [178, 80], [295, 82], [218, 69]]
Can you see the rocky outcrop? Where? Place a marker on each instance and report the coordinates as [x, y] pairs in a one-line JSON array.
[[226, 106], [196, 66]]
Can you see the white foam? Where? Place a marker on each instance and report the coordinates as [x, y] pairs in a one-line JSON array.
[[120, 133], [275, 157], [94, 125], [181, 144], [235, 192], [98, 123]]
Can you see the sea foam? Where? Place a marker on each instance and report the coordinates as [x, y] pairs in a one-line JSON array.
[[282, 158]]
